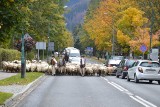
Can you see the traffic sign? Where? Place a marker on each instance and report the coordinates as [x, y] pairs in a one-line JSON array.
[[143, 48]]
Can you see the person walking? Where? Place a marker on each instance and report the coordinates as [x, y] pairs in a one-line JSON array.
[[61, 64], [82, 65], [53, 63]]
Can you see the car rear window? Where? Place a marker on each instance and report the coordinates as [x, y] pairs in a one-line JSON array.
[[150, 64], [130, 62]]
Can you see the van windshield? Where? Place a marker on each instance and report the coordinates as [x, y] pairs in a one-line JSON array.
[[74, 55], [117, 57]]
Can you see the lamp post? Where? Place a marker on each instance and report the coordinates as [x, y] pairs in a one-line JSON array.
[[113, 32], [151, 29], [22, 58]]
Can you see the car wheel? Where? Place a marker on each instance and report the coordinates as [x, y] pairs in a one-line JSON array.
[[159, 82], [128, 79], [136, 80], [150, 81], [123, 75]]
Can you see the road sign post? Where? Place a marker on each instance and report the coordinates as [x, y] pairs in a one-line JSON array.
[[143, 49]]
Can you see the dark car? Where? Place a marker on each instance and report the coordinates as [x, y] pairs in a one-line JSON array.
[[122, 69]]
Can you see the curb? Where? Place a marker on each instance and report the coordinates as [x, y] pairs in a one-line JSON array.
[[15, 99]]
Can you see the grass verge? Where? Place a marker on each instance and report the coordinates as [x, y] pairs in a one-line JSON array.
[[30, 76], [4, 97], [95, 58]]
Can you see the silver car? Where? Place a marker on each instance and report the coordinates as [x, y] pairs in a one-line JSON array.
[[144, 70]]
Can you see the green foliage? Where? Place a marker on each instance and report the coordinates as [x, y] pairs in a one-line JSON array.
[[81, 39], [30, 55], [9, 54], [40, 18], [152, 12]]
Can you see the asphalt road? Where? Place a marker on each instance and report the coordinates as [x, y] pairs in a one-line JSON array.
[[77, 91]]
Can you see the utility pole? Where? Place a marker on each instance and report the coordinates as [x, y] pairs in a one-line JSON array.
[[22, 58], [151, 28], [113, 32]]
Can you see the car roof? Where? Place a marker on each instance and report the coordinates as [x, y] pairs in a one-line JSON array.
[[146, 60]]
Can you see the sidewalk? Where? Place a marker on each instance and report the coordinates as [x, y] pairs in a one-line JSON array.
[[18, 91], [4, 75]]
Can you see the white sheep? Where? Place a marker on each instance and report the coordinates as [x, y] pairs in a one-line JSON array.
[[5, 66]]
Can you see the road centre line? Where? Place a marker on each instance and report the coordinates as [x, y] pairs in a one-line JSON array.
[[119, 86], [134, 97], [105, 79], [139, 101], [115, 86], [152, 105]]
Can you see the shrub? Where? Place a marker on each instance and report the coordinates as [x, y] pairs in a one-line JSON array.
[[9, 55]]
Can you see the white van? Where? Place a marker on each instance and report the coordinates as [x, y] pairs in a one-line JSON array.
[[74, 54]]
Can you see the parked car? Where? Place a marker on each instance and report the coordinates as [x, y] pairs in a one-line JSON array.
[[114, 60], [122, 68], [144, 70]]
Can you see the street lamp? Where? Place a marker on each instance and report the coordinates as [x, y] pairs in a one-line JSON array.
[[113, 32], [151, 28], [22, 58]]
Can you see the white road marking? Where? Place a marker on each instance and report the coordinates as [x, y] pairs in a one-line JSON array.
[[134, 97], [139, 101], [129, 93], [115, 86], [152, 105], [105, 79], [120, 86]]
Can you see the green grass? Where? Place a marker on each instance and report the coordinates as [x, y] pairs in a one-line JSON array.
[[31, 76], [100, 59], [4, 97]]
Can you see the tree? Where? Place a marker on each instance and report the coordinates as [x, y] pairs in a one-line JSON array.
[[39, 18]]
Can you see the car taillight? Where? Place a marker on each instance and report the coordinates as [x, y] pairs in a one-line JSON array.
[[125, 68], [140, 69]]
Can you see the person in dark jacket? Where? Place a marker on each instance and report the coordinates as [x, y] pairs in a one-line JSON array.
[[82, 65]]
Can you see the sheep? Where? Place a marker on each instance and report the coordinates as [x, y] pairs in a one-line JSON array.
[[33, 67], [49, 70], [103, 69], [5, 66], [28, 67], [110, 70], [89, 69]]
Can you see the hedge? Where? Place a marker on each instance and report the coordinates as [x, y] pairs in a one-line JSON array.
[[9, 55]]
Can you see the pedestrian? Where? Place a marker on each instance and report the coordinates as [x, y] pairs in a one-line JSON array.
[[53, 63], [82, 65], [66, 57], [61, 64]]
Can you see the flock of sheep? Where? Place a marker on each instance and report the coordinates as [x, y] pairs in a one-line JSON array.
[[68, 69]]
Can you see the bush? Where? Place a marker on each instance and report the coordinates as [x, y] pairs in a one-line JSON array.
[[30, 55], [9, 55]]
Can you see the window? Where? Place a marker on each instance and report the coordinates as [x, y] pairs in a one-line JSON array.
[[150, 64], [74, 55]]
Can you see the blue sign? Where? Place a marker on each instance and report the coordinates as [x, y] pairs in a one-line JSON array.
[[89, 49], [143, 48]]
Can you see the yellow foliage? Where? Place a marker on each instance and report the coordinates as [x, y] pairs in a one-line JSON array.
[[142, 37], [122, 39], [11, 0]]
